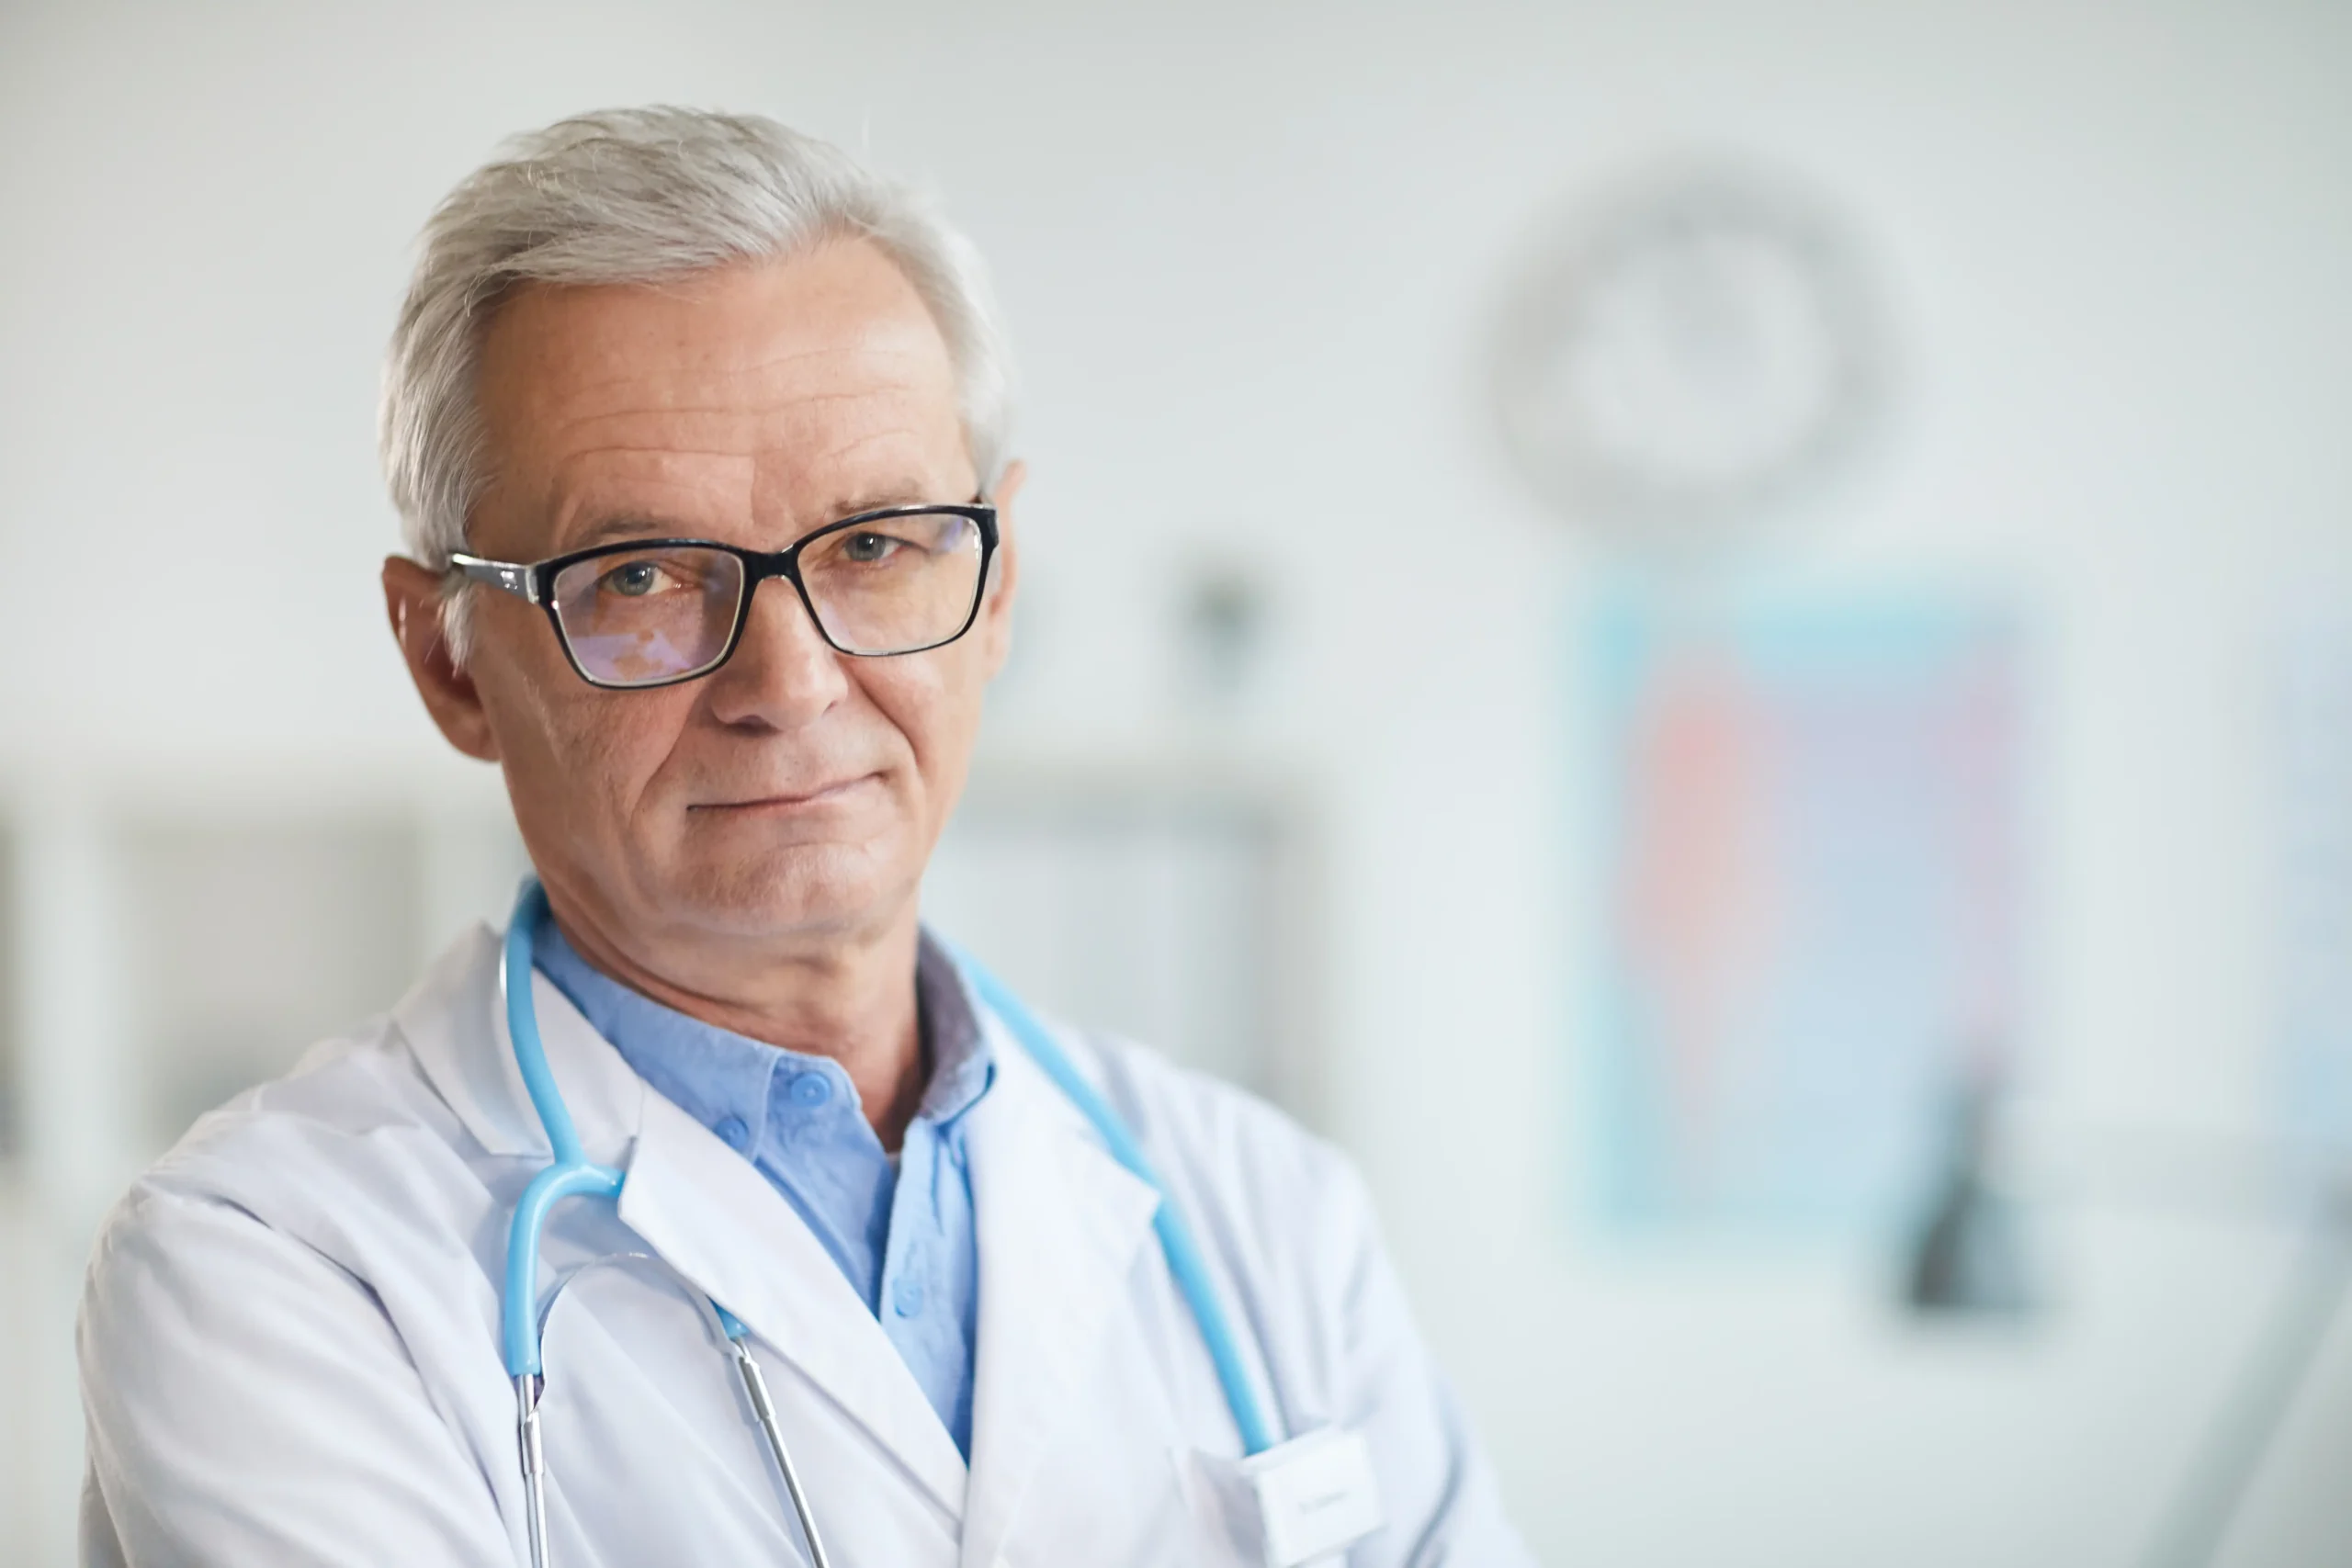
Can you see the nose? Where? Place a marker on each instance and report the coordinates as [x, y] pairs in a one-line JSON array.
[[783, 674]]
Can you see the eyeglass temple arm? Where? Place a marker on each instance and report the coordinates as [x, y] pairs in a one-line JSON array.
[[520, 580]]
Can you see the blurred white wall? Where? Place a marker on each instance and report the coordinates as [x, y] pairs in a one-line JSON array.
[[1249, 252]]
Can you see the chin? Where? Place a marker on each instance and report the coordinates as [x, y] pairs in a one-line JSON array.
[[798, 888]]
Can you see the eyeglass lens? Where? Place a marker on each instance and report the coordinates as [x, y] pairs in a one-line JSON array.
[[893, 585]]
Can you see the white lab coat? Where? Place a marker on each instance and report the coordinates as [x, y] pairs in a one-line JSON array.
[[290, 1335]]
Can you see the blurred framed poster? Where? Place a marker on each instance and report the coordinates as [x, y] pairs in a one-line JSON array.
[[12, 1005], [1809, 900], [2314, 880]]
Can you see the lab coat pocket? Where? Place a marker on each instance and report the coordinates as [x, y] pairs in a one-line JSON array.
[[1224, 1511], [1299, 1505]]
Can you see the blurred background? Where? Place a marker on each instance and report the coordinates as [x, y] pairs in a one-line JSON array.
[[1717, 635]]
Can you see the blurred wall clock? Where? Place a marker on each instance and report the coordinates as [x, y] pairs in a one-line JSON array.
[[1681, 360]]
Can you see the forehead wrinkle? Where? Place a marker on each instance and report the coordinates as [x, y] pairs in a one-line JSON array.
[[735, 416], [905, 477], [870, 346], [836, 445], [815, 379], [573, 488], [846, 448], [908, 373], [744, 437], [659, 451]]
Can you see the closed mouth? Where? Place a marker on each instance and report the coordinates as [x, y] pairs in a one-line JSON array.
[[819, 796]]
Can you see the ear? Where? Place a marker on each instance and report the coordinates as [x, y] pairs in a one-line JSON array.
[[413, 602], [1004, 572]]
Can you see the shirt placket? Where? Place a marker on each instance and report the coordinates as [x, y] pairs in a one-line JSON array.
[[909, 1257]]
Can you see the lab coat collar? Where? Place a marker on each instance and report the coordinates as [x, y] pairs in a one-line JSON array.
[[1060, 1223], [1059, 1226], [714, 1218], [455, 1022], [700, 1206]]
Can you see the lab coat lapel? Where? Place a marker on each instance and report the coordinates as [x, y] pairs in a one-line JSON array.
[[702, 1207], [715, 1220], [455, 1023], [1059, 1226]]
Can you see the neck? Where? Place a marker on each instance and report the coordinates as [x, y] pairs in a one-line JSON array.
[[850, 997]]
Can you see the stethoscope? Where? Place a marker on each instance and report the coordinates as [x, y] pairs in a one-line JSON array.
[[571, 1174]]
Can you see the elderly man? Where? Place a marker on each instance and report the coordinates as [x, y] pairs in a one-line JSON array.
[[698, 432]]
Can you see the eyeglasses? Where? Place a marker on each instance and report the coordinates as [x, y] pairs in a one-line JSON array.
[[655, 611]]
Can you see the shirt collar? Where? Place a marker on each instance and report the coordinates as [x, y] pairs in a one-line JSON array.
[[962, 1063], [717, 1075]]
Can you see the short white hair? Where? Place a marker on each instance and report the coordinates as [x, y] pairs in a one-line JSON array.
[[639, 195]]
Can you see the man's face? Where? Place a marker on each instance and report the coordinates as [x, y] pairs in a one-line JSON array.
[[796, 791]]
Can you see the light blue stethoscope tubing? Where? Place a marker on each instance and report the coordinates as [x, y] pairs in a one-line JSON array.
[[569, 1173], [1184, 1261]]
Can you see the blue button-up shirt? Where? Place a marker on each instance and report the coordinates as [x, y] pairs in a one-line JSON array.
[[900, 1228]]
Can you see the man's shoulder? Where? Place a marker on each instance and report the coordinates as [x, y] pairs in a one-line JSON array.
[[1243, 1167], [1202, 1115], [287, 1152], [359, 1096]]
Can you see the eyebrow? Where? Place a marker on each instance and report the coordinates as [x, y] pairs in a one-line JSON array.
[[627, 525], [875, 501]]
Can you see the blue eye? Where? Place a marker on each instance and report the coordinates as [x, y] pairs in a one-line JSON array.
[[634, 581], [868, 549]]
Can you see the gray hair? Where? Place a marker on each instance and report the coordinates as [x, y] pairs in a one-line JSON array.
[[633, 197]]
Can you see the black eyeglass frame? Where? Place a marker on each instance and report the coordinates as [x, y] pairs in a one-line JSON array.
[[534, 584]]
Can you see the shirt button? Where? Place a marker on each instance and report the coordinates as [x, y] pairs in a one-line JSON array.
[[907, 1295], [735, 1132], [811, 1089]]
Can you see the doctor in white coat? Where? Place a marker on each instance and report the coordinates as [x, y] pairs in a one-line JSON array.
[[697, 431]]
